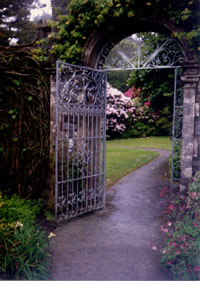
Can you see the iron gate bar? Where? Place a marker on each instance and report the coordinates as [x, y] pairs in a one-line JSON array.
[[80, 140]]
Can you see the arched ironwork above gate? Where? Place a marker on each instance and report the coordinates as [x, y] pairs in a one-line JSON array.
[[139, 52]]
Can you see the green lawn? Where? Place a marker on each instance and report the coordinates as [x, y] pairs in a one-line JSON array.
[[149, 142], [121, 161]]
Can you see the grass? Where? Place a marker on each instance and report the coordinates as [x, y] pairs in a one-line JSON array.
[[121, 161], [149, 142]]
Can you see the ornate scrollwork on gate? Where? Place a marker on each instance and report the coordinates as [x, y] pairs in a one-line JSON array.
[[136, 52], [81, 88], [80, 140]]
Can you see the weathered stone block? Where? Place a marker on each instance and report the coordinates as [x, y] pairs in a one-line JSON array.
[[197, 126]]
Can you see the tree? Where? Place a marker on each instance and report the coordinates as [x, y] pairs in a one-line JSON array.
[[157, 87], [15, 21], [118, 79]]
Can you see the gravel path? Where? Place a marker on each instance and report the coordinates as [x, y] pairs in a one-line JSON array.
[[115, 243]]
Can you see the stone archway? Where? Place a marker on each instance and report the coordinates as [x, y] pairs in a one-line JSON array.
[[99, 45]]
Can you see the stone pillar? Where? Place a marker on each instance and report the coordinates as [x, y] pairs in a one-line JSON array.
[[52, 139], [191, 123]]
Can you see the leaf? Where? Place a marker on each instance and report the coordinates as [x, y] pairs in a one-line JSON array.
[[15, 139], [11, 111], [30, 98], [16, 82]]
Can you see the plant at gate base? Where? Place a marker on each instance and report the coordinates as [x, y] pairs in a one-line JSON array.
[[23, 244], [182, 251]]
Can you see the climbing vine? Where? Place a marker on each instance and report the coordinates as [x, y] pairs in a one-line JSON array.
[[86, 16], [24, 123]]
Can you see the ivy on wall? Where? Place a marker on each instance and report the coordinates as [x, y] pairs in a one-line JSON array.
[[24, 123], [86, 16]]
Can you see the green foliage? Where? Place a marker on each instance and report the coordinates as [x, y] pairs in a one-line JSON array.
[[86, 16], [176, 160], [143, 122], [157, 87], [181, 254], [117, 79], [24, 123], [15, 208], [23, 245], [138, 130]]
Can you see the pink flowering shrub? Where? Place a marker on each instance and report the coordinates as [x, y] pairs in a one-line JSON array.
[[132, 92], [119, 112], [143, 123], [182, 252]]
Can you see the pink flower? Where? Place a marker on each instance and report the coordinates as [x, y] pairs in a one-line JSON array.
[[195, 224], [172, 207], [169, 223], [154, 248], [164, 251], [169, 262], [178, 252], [147, 103], [162, 228], [183, 238], [196, 268]]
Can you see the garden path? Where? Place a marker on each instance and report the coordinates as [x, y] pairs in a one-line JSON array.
[[116, 243]]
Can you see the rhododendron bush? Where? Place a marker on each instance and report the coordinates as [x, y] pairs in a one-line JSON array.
[[128, 115], [143, 123], [119, 111]]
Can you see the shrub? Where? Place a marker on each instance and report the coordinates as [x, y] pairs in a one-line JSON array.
[[119, 111], [143, 123], [181, 254], [17, 209], [176, 160], [23, 244]]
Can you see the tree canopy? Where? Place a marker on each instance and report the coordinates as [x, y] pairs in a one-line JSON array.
[[15, 21]]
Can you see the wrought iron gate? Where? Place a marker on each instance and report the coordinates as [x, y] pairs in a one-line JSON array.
[[177, 128], [80, 140]]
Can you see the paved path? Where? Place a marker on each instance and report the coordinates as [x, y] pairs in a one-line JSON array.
[[114, 243]]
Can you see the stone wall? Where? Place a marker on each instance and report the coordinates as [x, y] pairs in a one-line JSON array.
[[190, 160]]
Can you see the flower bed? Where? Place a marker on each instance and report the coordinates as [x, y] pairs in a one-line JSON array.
[[182, 251], [23, 244]]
